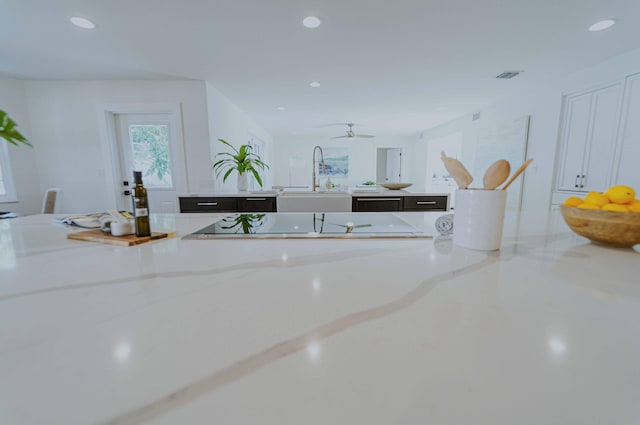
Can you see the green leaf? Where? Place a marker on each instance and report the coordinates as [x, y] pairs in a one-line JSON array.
[[9, 132]]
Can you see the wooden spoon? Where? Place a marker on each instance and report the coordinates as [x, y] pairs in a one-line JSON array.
[[460, 174], [496, 174], [517, 173]]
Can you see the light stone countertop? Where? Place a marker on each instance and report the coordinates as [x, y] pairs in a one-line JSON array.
[[404, 331]]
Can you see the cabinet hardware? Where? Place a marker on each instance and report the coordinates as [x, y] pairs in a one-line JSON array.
[[426, 203], [207, 204], [378, 199], [255, 199]]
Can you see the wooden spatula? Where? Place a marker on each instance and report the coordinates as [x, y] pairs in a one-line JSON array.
[[517, 173], [496, 174], [460, 174]]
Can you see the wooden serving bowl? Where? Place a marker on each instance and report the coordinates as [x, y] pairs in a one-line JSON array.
[[620, 229]]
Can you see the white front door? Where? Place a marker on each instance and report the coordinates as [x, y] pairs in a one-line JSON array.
[[149, 143]]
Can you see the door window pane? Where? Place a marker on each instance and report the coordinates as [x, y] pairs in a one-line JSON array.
[[150, 144]]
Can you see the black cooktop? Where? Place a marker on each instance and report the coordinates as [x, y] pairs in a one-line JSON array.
[[310, 225]]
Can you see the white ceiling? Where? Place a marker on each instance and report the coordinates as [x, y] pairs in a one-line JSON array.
[[395, 67]]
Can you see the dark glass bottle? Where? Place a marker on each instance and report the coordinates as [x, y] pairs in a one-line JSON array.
[[140, 206]]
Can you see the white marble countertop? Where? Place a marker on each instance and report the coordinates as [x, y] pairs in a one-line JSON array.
[[406, 331]]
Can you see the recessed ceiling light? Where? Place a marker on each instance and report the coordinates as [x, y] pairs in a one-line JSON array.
[[602, 25], [314, 84], [281, 108], [311, 22], [82, 22]]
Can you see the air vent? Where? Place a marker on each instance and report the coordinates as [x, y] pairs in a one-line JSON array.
[[508, 74]]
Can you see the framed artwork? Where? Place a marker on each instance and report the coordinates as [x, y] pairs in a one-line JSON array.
[[336, 162]]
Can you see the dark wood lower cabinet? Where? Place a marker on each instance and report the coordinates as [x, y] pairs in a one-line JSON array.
[[208, 204], [399, 203], [375, 204], [257, 204], [425, 203]]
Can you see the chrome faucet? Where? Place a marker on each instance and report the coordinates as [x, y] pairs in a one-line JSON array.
[[316, 184]]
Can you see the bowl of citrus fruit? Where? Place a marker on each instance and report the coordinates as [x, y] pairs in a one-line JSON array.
[[611, 217]]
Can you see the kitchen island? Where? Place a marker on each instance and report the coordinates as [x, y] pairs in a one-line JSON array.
[[390, 331]]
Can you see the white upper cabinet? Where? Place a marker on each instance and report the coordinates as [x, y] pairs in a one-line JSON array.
[[588, 139], [628, 172]]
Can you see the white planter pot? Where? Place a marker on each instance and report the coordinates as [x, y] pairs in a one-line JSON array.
[[243, 182]]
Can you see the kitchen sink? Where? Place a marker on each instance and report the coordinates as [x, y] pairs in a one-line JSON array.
[[310, 201]]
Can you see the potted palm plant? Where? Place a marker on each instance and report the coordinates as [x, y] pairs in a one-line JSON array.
[[242, 160], [9, 132]]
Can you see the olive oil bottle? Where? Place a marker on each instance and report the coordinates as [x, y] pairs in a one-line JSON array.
[[140, 206]]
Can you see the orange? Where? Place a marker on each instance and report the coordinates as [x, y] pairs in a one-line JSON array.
[[615, 207], [572, 201], [635, 206], [588, 206], [620, 194], [596, 198]]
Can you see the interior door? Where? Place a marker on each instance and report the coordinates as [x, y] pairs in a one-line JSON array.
[[394, 165], [149, 143]]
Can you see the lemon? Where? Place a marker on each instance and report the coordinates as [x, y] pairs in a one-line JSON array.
[[588, 206], [572, 201], [635, 206], [620, 194], [596, 198], [615, 207]]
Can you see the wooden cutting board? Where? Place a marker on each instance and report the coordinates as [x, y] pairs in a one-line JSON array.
[[97, 235]]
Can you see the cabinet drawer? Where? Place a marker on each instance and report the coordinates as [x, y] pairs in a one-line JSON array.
[[257, 204], [425, 203], [207, 204], [372, 204]]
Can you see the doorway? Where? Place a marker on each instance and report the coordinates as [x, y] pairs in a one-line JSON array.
[[150, 143], [389, 165]]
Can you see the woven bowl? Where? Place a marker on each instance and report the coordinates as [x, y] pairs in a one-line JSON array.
[[619, 229]]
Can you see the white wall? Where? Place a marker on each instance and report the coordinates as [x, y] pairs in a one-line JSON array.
[[23, 159], [362, 157], [65, 126], [228, 122], [543, 104]]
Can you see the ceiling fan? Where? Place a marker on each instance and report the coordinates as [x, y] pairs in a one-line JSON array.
[[351, 134]]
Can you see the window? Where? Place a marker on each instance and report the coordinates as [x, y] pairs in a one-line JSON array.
[[7, 190], [150, 145]]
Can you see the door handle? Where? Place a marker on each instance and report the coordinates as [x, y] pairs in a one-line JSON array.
[[207, 204], [378, 199], [582, 181], [255, 199], [426, 203], [576, 182]]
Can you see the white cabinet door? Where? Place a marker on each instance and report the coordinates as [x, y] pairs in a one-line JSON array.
[[589, 139], [605, 115], [628, 172], [575, 132]]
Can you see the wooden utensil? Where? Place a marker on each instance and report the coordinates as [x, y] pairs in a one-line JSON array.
[[460, 174], [496, 174], [517, 173]]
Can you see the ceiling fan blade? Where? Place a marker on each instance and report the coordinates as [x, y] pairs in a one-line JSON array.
[[341, 137], [364, 136]]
